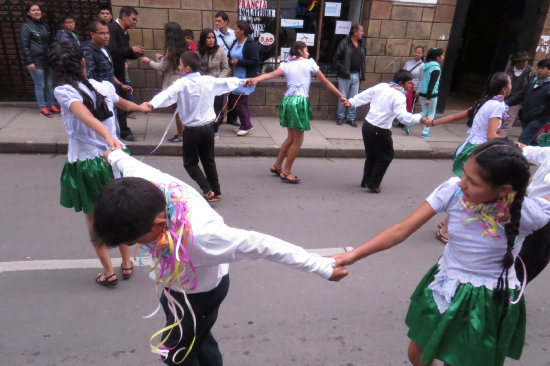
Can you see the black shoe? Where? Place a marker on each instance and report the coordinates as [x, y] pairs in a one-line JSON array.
[[339, 121], [352, 123], [127, 135]]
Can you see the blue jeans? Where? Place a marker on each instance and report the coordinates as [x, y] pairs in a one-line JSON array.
[[529, 132], [349, 88], [427, 111], [43, 86]]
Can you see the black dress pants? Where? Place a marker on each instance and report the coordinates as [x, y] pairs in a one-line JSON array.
[[535, 253], [198, 144], [205, 305], [379, 150]]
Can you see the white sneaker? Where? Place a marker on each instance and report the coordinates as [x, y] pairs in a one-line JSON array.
[[244, 132]]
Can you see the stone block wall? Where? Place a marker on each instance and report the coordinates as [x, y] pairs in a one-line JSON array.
[[394, 29]]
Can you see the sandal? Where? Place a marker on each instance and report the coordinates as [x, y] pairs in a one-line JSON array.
[[441, 237], [275, 170], [105, 281], [284, 177], [126, 275]]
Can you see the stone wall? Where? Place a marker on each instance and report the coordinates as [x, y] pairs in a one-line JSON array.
[[393, 30]]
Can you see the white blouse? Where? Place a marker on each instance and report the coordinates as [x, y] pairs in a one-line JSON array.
[[540, 182], [298, 76], [477, 134], [470, 256], [214, 243], [84, 142]]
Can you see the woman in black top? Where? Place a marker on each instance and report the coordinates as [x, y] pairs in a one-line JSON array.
[[35, 44]]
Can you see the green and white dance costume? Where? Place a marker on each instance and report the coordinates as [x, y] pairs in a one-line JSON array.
[[452, 314], [295, 110], [477, 134], [85, 173]]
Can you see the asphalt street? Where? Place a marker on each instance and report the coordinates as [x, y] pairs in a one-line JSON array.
[[55, 315]]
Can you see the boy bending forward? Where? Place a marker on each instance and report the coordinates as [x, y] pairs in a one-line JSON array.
[[144, 207]]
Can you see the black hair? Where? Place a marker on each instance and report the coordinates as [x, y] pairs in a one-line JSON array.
[[497, 81], [354, 28], [174, 43], [544, 63], [502, 162], [223, 15], [92, 27], [188, 33], [297, 47], [191, 59], [65, 60], [105, 7], [126, 209], [434, 53], [127, 10], [402, 76], [65, 17], [202, 47], [423, 51], [244, 26]]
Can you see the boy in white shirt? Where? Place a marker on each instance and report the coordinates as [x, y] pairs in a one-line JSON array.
[[194, 95], [535, 251], [162, 212], [387, 102]]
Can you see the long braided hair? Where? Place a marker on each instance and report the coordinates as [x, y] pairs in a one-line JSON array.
[[502, 162], [495, 85], [65, 59]]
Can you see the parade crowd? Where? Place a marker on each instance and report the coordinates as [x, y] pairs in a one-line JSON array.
[[469, 309]]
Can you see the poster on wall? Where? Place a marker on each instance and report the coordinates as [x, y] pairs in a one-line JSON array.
[[543, 45], [307, 38], [342, 27], [257, 13], [292, 23], [333, 9], [285, 53]]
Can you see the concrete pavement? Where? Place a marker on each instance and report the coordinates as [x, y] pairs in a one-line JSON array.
[[23, 130]]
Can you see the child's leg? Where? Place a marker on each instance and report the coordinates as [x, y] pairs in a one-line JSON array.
[[415, 351], [206, 155], [190, 151], [293, 149], [379, 149], [101, 250], [428, 111], [283, 151], [205, 306]]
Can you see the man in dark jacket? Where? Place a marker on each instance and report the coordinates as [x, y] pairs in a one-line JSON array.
[[350, 62], [535, 101], [119, 46]]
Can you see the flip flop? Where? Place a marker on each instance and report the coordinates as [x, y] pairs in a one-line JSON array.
[[126, 276], [105, 281], [441, 237]]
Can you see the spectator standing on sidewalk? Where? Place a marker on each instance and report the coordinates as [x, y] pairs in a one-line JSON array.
[[36, 39], [105, 13], [429, 86], [244, 56], [119, 46], [415, 67], [67, 33], [168, 62], [225, 36], [213, 63], [522, 74], [350, 62]]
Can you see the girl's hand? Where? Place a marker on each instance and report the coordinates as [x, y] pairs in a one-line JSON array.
[[250, 82], [106, 154], [127, 88], [234, 62], [145, 60], [158, 56], [145, 107], [520, 145], [427, 102], [343, 259], [113, 143], [32, 67], [338, 273]]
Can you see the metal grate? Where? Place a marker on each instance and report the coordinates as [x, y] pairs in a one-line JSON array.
[[15, 82]]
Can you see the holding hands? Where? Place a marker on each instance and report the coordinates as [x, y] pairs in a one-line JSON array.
[[145, 108], [250, 82], [338, 272], [344, 101], [428, 122]]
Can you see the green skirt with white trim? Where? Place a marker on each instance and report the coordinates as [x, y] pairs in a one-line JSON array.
[[82, 181], [295, 112], [460, 159], [474, 331]]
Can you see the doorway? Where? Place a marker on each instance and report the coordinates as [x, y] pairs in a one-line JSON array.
[[483, 36]]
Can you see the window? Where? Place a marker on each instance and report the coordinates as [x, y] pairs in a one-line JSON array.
[[278, 24]]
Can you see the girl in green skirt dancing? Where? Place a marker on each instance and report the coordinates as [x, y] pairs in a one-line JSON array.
[[87, 111], [468, 310], [295, 111]]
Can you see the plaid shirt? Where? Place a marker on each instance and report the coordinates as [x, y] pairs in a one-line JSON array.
[[98, 66]]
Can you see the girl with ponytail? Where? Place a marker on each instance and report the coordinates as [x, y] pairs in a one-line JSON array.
[[87, 111], [468, 310]]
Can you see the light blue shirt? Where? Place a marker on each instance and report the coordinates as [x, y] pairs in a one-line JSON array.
[[228, 37], [239, 71]]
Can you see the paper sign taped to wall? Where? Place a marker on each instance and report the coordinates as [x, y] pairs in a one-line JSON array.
[[292, 23], [285, 53], [342, 27], [333, 9], [307, 38]]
